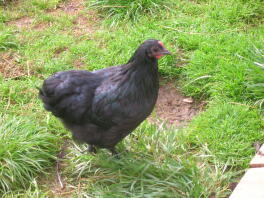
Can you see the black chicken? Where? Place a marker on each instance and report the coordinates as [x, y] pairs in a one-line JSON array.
[[102, 107]]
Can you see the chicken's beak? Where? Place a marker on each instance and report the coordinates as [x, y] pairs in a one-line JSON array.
[[165, 52]]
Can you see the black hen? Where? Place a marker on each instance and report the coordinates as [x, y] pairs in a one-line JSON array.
[[102, 107]]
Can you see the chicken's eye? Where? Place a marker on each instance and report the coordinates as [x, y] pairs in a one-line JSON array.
[[155, 50]]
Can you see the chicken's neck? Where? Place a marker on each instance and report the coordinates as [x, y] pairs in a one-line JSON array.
[[146, 71], [142, 76]]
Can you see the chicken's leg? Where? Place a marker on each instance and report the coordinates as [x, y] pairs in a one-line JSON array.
[[114, 152], [92, 149]]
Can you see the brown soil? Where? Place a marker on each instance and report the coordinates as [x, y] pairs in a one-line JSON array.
[[59, 50], [72, 7], [83, 24], [28, 23], [79, 64], [24, 22], [9, 68], [42, 26], [85, 20], [173, 107]]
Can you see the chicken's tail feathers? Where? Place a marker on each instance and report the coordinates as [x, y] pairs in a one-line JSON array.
[[41, 92], [46, 100]]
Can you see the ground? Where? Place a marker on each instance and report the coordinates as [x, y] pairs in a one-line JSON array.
[[173, 107], [9, 68]]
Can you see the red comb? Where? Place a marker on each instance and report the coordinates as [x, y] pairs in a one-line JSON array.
[[161, 43]]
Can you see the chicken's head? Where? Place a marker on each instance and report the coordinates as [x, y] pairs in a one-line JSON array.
[[155, 49], [151, 49]]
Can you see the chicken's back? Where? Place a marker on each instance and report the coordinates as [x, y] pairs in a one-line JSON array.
[[69, 94]]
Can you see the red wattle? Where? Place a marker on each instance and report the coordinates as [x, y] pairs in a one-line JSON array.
[[158, 56]]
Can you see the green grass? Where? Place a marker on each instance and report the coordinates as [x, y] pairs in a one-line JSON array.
[[26, 151], [160, 164], [255, 85], [7, 39], [226, 132], [32, 191], [128, 10], [149, 169], [217, 57]]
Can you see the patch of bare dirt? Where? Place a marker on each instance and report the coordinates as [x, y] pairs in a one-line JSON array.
[[71, 7], [9, 67], [173, 107], [84, 22], [42, 26], [79, 63], [82, 26], [59, 50], [28, 23], [22, 23]]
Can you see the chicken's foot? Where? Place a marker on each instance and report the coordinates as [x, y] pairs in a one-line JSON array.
[[114, 152]]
